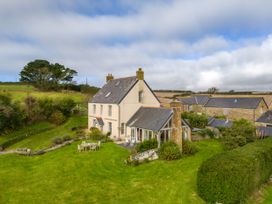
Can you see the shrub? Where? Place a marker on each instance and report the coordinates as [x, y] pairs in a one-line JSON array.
[[189, 148], [146, 145], [97, 135], [66, 106], [231, 176], [57, 118], [169, 151], [241, 133], [57, 140], [196, 120], [66, 138], [80, 133], [206, 133]]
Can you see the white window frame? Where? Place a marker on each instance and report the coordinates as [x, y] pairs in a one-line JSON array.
[[101, 110], [140, 96]]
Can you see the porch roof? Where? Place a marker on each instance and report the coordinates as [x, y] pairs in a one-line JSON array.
[[100, 121], [150, 118]]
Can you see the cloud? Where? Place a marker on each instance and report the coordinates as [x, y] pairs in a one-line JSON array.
[[180, 44]]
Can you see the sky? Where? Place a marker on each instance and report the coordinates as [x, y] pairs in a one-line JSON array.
[[180, 44]]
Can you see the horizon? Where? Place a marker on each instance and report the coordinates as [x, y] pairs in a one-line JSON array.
[[181, 45]]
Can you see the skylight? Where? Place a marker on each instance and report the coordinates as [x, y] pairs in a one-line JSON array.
[[117, 83], [107, 95]]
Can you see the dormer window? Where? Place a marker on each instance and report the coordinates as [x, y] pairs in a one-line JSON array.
[[141, 96], [108, 94]]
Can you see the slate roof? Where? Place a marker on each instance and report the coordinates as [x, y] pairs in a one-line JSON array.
[[264, 131], [244, 103], [265, 118], [213, 122], [150, 118], [100, 121], [114, 90], [195, 100]]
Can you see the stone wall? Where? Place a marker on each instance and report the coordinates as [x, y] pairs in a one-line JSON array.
[[238, 113]]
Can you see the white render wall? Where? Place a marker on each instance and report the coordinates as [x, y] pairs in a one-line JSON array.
[[130, 104], [122, 112], [106, 118]]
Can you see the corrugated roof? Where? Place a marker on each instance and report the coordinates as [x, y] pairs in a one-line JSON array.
[[219, 123], [244, 103], [195, 100], [266, 117], [114, 91], [150, 118]]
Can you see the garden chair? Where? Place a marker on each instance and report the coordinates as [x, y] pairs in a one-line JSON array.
[[98, 145]]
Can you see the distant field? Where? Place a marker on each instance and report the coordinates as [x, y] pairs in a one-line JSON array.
[[16, 87], [44, 139]]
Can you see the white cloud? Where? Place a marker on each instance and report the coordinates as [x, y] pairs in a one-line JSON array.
[[180, 44]]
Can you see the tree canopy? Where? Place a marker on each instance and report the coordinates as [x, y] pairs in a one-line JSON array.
[[46, 76]]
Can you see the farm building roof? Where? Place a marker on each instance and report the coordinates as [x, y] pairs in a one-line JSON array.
[[265, 118], [195, 100], [243, 103], [214, 122], [264, 131]]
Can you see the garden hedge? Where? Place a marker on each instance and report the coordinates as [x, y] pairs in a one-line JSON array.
[[231, 176]]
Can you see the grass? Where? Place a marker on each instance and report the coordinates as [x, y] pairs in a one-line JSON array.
[[19, 92], [66, 176], [28, 130], [44, 139]]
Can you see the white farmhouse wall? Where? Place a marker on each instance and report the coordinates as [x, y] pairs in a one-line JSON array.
[[105, 116], [130, 104]]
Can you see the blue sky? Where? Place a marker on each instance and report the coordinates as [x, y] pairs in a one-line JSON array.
[[180, 44]]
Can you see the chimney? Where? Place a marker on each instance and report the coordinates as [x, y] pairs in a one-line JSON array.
[[177, 125], [140, 74], [109, 77]]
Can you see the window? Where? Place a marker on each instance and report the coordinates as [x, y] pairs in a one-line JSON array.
[[101, 109], [141, 96], [133, 135], [122, 128], [150, 134], [94, 109], [146, 135], [110, 127], [110, 110]]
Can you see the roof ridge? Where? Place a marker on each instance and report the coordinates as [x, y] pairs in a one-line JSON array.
[[123, 78]]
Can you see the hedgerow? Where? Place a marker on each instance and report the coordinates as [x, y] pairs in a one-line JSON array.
[[231, 176]]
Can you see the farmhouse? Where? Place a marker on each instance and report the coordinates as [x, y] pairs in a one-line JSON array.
[[127, 109], [236, 108]]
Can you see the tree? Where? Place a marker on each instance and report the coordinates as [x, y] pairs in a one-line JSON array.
[[213, 90], [46, 76]]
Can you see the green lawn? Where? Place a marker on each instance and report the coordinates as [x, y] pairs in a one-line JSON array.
[[44, 139], [28, 130], [66, 176]]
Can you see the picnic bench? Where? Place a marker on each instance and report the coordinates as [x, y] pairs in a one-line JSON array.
[[88, 146]]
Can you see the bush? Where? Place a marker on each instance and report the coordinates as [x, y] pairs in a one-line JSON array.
[[231, 176], [66, 138], [189, 148], [196, 120], [169, 151], [57, 140], [206, 133], [97, 135], [57, 118], [80, 133], [146, 145], [241, 133]]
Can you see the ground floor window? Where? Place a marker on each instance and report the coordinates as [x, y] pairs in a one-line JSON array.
[[122, 128], [133, 135], [94, 122], [110, 127]]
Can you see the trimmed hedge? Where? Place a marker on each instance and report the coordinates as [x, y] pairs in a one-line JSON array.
[[231, 176], [146, 145]]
